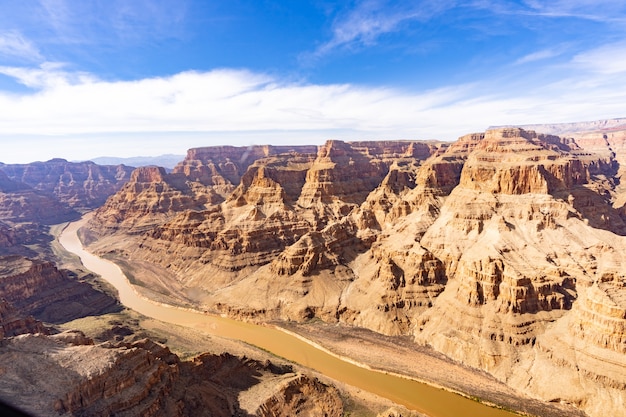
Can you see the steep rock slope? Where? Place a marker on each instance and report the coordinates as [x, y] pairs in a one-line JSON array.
[[13, 324], [144, 378], [288, 215], [519, 251], [34, 196], [21, 203], [79, 185], [502, 250], [38, 288]]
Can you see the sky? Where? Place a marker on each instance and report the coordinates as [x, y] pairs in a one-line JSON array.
[[86, 78]]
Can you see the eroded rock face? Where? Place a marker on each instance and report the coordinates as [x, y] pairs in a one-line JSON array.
[[519, 252], [21, 203], [144, 378], [12, 324], [303, 396], [39, 289], [502, 250], [150, 197], [79, 185], [285, 194]]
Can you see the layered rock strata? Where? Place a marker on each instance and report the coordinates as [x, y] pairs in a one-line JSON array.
[[144, 378], [78, 185], [12, 324], [494, 250], [21, 203], [39, 289]]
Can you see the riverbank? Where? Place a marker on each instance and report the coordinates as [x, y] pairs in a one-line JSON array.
[[398, 355]]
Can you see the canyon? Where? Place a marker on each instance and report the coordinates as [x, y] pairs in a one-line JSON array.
[[503, 252]]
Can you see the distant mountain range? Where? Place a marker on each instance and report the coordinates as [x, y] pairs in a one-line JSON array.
[[168, 161], [575, 127]]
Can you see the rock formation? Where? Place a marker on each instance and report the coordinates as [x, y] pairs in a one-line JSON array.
[[37, 195], [79, 185], [21, 203], [12, 324], [39, 289], [143, 378], [502, 250]]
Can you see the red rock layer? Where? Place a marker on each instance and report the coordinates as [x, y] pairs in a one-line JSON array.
[[79, 185]]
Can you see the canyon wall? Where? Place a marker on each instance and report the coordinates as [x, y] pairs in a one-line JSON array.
[[79, 185], [502, 250], [67, 374], [38, 288]]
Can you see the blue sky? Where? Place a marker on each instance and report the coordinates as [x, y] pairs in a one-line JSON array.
[[87, 78]]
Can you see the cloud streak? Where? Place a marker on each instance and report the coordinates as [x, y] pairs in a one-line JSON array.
[[14, 45], [369, 19], [597, 10]]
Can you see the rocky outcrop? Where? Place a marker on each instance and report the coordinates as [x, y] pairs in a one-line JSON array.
[[20, 203], [303, 396], [12, 324], [151, 197], [78, 185], [144, 378], [223, 166], [39, 289], [511, 237], [83, 379], [282, 196], [339, 180]]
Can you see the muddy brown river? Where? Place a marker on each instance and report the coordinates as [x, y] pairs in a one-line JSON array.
[[414, 395]]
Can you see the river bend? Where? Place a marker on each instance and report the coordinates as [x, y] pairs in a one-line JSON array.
[[414, 395]]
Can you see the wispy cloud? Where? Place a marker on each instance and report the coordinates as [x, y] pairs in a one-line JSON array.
[[48, 76], [95, 22], [600, 10], [14, 45], [369, 19], [607, 59], [539, 56]]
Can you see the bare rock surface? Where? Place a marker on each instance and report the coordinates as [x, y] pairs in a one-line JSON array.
[[40, 194], [19, 202], [79, 185], [38, 288], [503, 250], [13, 324], [144, 378]]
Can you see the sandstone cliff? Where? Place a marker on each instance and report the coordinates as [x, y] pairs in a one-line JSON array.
[[13, 324], [39, 289], [37, 195], [519, 251], [144, 378], [79, 185], [21, 203], [501, 250], [267, 225]]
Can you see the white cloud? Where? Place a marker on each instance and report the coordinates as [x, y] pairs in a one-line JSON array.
[[607, 59], [369, 19], [92, 116], [14, 45], [601, 10], [94, 22], [246, 105], [538, 56]]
